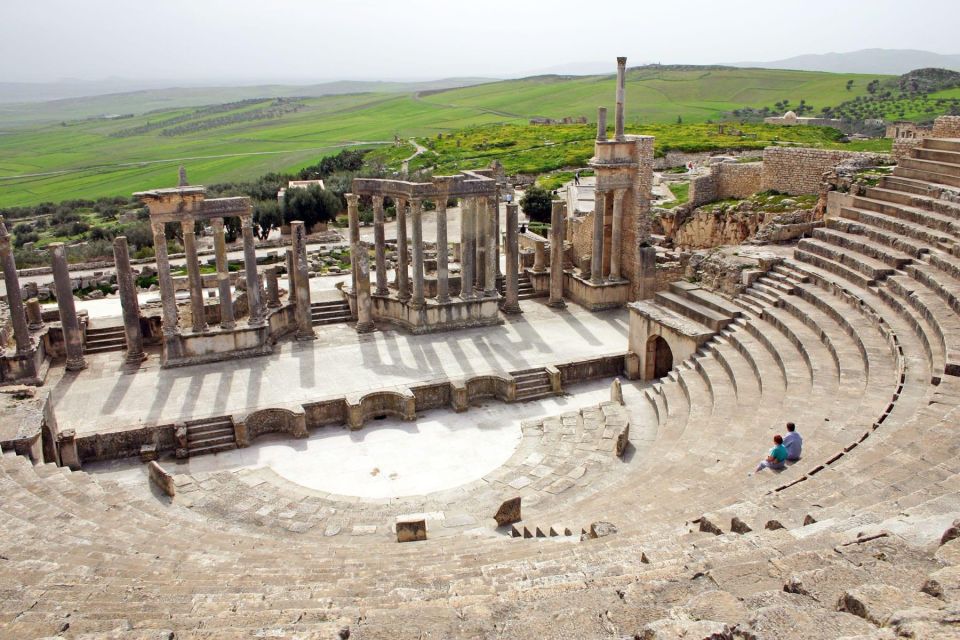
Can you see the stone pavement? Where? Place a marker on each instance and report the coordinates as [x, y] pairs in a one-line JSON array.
[[103, 398]]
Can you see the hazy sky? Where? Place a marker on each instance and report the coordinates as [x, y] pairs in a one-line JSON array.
[[298, 40]]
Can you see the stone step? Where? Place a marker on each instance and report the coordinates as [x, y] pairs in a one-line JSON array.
[[104, 331], [693, 310], [913, 171], [206, 434], [859, 244], [919, 215], [896, 241], [906, 228], [907, 185], [936, 167], [706, 298], [937, 155], [872, 268], [944, 144], [205, 443], [212, 448]]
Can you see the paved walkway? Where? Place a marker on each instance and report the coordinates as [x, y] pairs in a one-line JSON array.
[[103, 398]]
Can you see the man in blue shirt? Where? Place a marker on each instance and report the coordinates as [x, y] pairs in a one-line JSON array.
[[778, 454], [793, 442]]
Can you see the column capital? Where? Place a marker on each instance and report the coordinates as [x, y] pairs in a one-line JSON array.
[[618, 194], [377, 202], [158, 227], [352, 199], [416, 205], [246, 221], [217, 224], [621, 61], [187, 225]]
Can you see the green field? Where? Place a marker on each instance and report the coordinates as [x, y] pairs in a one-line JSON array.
[[84, 158]]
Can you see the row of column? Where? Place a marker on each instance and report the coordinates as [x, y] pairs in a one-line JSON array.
[[170, 322], [598, 258], [480, 248]]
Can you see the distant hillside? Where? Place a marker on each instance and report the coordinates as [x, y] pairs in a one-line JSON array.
[[881, 61], [24, 103]]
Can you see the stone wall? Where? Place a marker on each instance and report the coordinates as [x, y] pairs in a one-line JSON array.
[[679, 159], [580, 235], [726, 180], [903, 146], [799, 170], [946, 127], [907, 130]]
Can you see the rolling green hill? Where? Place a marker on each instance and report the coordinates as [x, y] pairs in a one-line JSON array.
[[84, 158]]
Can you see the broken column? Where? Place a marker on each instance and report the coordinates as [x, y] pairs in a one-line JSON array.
[[539, 256], [199, 321], [129, 303], [301, 277], [556, 255], [596, 260], [72, 338], [416, 219], [601, 124], [256, 317], [168, 296], [34, 315], [291, 281], [21, 332], [621, 89], [364, 304], [273, 288], [511, 303], [227, 318], [379, 243]]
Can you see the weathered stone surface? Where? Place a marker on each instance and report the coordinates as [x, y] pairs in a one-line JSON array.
[[808, 520], [717, 605], [944, 584], [682, 629], [509, 512], [161, 478], [877, 602], [952, 532], [779, 622], [707, 526], [773, 525], [602, 529], [616, 391]]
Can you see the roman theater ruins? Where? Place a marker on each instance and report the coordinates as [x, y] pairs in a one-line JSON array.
[[479, 431]]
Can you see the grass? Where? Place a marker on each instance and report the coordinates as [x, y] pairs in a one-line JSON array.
[[681, 191], [79, 158]]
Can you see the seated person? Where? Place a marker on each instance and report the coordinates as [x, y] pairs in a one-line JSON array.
[[793, 442], [778, 454]]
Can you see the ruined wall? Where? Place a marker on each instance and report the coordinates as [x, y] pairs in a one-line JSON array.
[[580, 235], [903, 146], [726, 180], [907, 130], [678, 158], [637, 215], [799, 170], [946, 127]]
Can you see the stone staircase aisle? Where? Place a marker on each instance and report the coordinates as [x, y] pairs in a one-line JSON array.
[[330, 312], [210, 435], [532, 384], [104, 339]]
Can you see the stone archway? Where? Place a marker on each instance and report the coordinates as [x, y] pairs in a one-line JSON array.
[[659, 360]]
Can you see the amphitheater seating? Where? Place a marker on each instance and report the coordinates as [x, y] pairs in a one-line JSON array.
[[854, 338]]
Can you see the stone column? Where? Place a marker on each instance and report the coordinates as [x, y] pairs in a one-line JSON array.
[[364, 305], [353, 219], [601, 124], [512, 302], [490, 266], [480, 243], [416, 213], [227, 317], [256, 317], [301, 276], [596, 260], [556, 255], [496, 233], [443, 285], [468, 247], [616, 234], [21, 333], [621, 90], [34, 315], [68, 312], [403, 258], [127, 289], [291, 280], [379, 244], [273, 288], [199, 322], [168, 295], [539, 256]]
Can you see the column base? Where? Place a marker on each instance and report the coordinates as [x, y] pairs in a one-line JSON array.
[[228, 326], [256, 322], [76, 364], [511, 309], [557, 304], [274, 304], [382, 292], [135, 358], [598, 280], [306, 336], [416, 304], [492, 293], [366, 327], [443, 300]]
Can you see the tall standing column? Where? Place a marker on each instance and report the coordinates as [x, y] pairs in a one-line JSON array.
[[468, 247], [596, 260], [199, 322], [301, 277], [480, 243], [616, 235], [256, 317], [490, 237], [291, 280], [364, 306], [496, 233], [68, 312], [379, 243], [601, 124], [416, 213], [21, 332], [512, 302], [168, 295], [353, 219], [621, 90], [403, 256], [128, 301], [443, 285], [227, 317], [556, 255]]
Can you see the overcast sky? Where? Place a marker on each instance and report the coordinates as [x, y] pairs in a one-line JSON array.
[[309, 40]]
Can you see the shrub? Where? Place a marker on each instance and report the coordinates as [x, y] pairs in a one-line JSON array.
[[536, 204]]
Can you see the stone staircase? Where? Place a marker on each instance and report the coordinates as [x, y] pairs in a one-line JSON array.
[[103, 339], [330, 312], [210, 435], [532, 384], [525, 290]]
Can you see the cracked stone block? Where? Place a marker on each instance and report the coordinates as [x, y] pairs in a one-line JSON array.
[[508, 513]]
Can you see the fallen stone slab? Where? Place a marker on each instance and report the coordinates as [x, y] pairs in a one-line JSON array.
[[161, 478], [410, 529], [508, 513], [739, 526]]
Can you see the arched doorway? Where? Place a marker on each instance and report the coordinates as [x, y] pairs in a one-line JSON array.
[[659, 358]]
